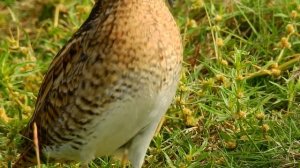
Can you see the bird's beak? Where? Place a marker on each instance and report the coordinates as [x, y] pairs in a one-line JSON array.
[[171, 2]]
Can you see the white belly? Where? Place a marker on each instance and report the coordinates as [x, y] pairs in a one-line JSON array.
[[121, 122]]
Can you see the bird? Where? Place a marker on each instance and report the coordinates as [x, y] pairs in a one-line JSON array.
[[107, 89]]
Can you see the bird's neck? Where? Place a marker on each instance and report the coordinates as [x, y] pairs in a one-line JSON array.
[[103, 3]]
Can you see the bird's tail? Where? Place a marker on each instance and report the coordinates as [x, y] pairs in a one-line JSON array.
[[27, 158]]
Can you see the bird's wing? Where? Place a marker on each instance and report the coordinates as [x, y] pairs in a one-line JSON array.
[[60, 82], [64, 73]]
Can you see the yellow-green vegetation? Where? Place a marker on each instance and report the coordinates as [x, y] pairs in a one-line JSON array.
[[238, 102]]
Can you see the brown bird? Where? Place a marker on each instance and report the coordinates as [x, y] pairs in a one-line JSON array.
[[108, 87]]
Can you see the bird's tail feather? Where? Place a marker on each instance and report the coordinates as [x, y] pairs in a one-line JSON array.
[[27, 158]]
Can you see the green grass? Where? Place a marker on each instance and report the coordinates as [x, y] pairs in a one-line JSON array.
[[238, 102]]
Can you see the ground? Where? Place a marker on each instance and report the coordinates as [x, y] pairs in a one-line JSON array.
[[238, 102]]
